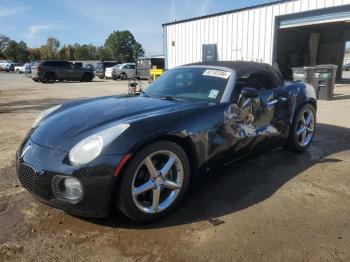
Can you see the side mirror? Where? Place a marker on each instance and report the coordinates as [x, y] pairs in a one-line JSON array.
[[249, 92]]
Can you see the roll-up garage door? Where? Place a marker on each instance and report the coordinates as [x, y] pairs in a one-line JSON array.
[[326, 15]]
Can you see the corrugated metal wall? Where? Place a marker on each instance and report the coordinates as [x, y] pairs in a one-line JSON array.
[[243, 35]]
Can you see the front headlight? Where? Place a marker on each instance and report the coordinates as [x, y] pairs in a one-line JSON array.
[[90, 148], [45, 113]]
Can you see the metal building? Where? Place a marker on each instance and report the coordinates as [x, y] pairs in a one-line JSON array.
[[289, 32]]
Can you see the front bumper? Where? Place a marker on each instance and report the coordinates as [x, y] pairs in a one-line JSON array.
[[39, 167], [100, 74], [116, 74]]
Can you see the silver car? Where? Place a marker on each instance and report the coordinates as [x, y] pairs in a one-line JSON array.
[[124, 71]]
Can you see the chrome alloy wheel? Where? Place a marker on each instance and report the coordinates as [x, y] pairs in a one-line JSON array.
[[157, 181], [306, 128]]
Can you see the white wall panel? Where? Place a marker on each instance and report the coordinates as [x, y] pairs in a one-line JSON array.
[[269, 33], [239, 40], [321, 4], [240, 35], [256, 34], [313, 4], [297, 6]]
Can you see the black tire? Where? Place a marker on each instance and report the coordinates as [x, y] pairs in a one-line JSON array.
[[101, 77], [49, 78], [126, 202], [123, 76], [35, 80], [114, 77], [293, 140], [18, 72], [87, 77]]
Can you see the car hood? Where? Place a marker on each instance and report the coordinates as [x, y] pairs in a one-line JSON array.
[[74, 121]]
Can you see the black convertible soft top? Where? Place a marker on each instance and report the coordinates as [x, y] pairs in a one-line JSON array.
[[243, 68]]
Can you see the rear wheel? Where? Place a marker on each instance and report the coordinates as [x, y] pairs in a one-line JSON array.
[[303, 129], [154, 182]]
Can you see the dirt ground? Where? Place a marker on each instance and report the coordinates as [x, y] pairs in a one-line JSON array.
[[277, 206]]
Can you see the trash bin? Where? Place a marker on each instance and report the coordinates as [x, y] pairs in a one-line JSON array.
[[303, 74], [324, 81]]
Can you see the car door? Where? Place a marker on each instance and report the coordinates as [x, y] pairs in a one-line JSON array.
[[132, 71], [66, 70], [127, 70], [262, 121], [77, 73]]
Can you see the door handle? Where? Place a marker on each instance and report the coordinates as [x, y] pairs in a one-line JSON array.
[[272, 102], [275, 101], [282, 99]]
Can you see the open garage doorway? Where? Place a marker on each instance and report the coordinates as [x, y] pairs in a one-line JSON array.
[[346, 63], [310, 45]]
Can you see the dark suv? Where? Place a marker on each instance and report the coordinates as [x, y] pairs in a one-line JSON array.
[[100, 68], [49, 71]]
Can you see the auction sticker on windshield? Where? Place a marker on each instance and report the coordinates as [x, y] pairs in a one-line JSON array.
[[217, 73], [213, 93]]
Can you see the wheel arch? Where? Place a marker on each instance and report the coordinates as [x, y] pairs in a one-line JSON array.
[[184, 142]]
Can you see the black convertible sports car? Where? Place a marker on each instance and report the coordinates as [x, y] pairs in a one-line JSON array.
[[138, 152]]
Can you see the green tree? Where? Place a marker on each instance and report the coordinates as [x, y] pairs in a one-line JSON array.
[[16, 51], [81, 52], [92, 50], [50, 50], [4, 42], [34, 54], [67, 53], [123, 47], [103, 54]]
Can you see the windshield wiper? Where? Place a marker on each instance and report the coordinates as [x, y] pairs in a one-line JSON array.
[[172, 98], [145, 94]]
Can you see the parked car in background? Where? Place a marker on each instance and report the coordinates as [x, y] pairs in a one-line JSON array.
[[124, 71], [109, 70], [89, 66], [13, 65], [146, 64], [5, 65], [346, 67], [19, 69], [100, 68], [28, 68], [49, 71]]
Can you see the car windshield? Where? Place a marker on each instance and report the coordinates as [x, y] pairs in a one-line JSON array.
[[192, 83]]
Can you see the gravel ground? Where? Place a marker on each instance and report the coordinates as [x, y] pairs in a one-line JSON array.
[[277, 206]]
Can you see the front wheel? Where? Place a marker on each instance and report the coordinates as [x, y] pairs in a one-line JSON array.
[[154, 182], [87, 77], [123, 76], [302, 129]]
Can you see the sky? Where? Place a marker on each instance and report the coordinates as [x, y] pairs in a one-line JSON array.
[[91, 21]]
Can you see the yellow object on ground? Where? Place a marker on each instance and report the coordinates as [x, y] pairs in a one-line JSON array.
[[155, 73]]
